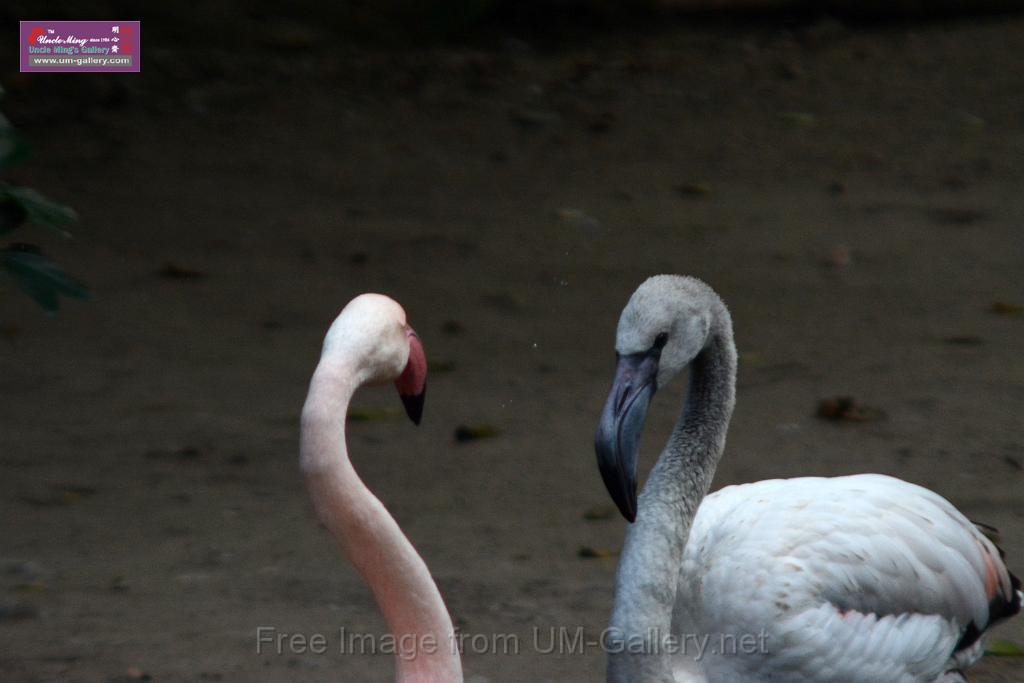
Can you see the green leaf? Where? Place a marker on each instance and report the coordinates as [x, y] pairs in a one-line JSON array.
[[1004, 648], [39, 209], [41, 278]]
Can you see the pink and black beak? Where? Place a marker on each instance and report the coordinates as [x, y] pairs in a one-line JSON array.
[[412, 383]]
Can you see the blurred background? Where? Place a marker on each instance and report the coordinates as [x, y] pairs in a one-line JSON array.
[[847, 175]]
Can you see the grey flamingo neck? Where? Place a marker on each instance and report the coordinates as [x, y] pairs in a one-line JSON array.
[[645, 590]]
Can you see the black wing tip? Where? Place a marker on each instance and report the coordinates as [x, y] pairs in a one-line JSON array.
[[1000, 608], [1015, 599], [1005, 606]]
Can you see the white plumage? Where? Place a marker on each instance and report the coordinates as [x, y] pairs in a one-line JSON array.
[[860, 578], [857, 579]]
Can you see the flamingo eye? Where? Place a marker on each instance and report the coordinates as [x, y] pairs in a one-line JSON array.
[[661, 340]]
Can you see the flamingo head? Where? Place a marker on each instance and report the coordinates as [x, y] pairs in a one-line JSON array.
[[662, 329], [373, 329]]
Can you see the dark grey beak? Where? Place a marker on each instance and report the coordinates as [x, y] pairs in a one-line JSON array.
[[617, 441]]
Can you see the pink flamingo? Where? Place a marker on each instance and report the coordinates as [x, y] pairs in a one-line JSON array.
[[371, 343]]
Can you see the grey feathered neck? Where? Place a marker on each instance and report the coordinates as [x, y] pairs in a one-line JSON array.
[[647, 577]]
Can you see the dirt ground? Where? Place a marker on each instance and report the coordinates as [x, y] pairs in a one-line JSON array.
[[853, 192]]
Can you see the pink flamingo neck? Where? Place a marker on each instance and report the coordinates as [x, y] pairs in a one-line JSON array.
[[401, 583]]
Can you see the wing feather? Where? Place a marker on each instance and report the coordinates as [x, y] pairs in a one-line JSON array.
[[865, 568]]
